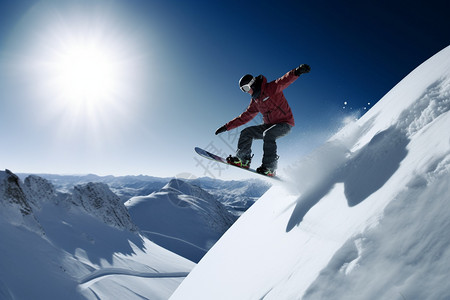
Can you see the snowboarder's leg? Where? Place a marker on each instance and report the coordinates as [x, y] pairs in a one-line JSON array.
[[246, 139], [270, 135]]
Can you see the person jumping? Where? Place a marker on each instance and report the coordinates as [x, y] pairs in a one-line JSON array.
[[267, 99]]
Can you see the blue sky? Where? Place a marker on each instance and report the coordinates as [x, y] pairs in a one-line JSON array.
[[166, 74]]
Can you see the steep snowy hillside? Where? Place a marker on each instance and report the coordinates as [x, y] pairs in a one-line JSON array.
[[77, 246], [182, 218], [366, 216]]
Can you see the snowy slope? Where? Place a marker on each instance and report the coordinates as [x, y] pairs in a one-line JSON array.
[[366, 216], [182, 218], [77, 246]]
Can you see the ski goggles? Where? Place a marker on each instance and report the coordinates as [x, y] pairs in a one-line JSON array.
[[247, 87]]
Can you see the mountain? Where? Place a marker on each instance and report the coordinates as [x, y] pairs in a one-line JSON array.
[[99, 200], [366, 215], [182, 218], [79, 245], [237, 196], [123, 186], [15, 207]]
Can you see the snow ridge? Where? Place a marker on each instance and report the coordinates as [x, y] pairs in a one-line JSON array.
[[99, 200], [15, 205], [12, 192]]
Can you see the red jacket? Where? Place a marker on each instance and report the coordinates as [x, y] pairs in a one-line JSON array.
[[270, 102]]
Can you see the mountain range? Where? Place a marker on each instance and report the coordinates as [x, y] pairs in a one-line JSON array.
[[77, 239]]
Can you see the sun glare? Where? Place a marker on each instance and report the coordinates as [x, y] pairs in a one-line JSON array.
[[86, 66], [85, 73]]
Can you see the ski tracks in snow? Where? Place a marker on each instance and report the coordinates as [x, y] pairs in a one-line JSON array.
[[97, 275]]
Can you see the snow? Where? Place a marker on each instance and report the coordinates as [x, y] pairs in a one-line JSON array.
[[182, 218], [78, 241], [366, 216], [99, 200], [79, 246]]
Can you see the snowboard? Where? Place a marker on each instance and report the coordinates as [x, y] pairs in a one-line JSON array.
[[217, 158]]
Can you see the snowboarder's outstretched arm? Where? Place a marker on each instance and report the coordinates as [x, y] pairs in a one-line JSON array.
[[291, 76], [245, 117]]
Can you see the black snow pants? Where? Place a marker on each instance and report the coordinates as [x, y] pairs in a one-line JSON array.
[[269, 133]]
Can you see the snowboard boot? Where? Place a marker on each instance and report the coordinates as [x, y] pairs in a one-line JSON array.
[[236, 161], [266, 171]]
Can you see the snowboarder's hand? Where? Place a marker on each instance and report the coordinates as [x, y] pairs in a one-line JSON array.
[[304, 68], [221, 129]]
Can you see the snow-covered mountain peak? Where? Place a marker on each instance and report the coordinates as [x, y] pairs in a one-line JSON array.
[[39, 190], [182, 187], [12, 194], [15, 205], [181, 217], [99, 200]]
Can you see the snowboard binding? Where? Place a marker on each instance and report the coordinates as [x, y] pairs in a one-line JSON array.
[[236, 161], [266, 171]]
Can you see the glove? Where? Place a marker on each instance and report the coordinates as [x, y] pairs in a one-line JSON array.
[[303, 68], [221, 129]]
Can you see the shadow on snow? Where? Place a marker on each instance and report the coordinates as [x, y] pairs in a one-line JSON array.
[[362, 174]]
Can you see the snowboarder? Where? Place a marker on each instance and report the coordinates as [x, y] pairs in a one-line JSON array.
[[267, 99]]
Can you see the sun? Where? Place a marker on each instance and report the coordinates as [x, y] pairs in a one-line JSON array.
[[86, 69], [85, 73]]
